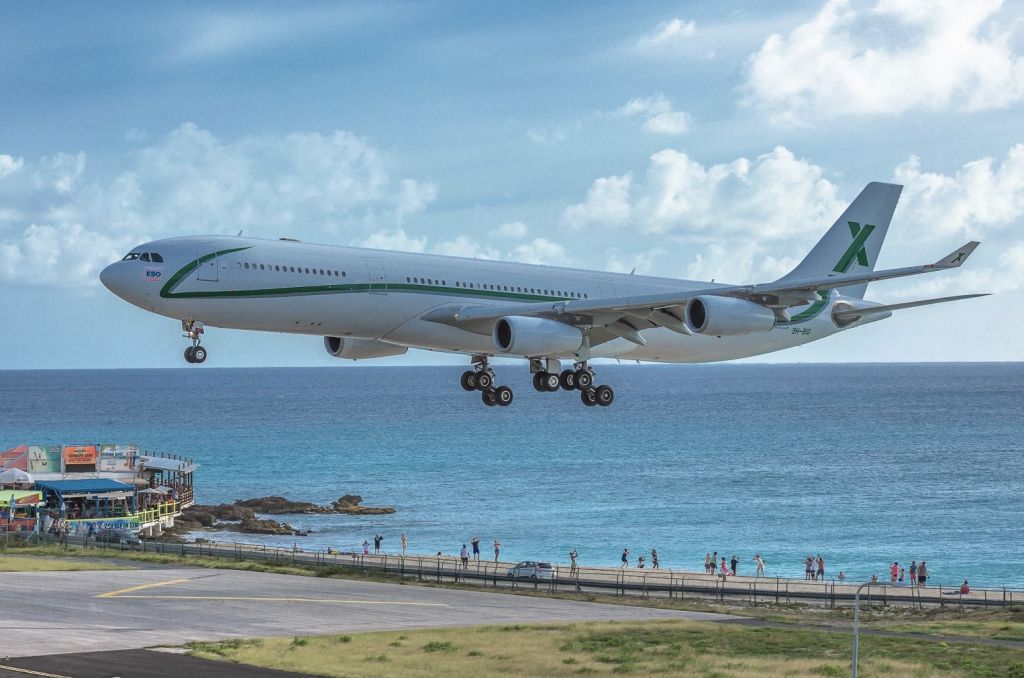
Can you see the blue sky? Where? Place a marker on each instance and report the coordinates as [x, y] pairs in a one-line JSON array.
[[696, 140]]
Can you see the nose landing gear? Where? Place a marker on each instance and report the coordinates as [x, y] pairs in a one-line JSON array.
[[193, 330]]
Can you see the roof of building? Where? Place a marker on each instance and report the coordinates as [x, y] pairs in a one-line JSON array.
[[84, 486], [167, 464]]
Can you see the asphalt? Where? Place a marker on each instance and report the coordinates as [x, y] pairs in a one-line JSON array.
[[50, 613], [131, 664]]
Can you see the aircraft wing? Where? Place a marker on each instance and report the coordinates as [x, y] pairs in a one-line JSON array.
[[626, 316], [855, 313]]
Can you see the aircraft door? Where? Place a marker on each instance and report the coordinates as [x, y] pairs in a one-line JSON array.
[[378, 279], [206, 260]]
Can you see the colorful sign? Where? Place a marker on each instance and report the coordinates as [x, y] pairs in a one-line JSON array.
[[81, 527], [80, 455], [44, 458], [21, 497], [117, 457]]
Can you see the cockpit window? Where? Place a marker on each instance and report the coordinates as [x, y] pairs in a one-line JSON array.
[[145, 256], [131, 256], [156, 258]]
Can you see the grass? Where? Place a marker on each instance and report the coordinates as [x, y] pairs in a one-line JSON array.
[[665, 647], [21, 563]]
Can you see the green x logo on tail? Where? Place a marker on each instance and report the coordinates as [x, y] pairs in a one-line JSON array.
[[856, 248]]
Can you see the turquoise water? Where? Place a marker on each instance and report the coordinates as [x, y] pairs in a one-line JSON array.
[[865, 464]]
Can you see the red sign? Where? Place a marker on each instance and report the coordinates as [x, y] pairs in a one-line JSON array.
[[79, 454]]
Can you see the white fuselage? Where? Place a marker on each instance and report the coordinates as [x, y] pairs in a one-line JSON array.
[[294, 287]]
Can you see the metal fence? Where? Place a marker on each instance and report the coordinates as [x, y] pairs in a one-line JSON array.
[[672, 584]]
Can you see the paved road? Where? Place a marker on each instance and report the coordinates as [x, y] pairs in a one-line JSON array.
[[131, 664], [63, 612]]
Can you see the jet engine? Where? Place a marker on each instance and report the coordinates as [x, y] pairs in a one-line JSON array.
[[521, 335], [361, 349], [727, 316]]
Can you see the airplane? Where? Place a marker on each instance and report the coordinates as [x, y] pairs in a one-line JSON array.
[[369, 303]]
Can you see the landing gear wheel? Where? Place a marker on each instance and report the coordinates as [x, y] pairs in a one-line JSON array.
[[538, 384], [588, 396], [468, 380], [198, 354], [550, 381], [584, 379], [568, 380], [503, 396], [605, 395], [188, 354], [489, 398], [484, 380]]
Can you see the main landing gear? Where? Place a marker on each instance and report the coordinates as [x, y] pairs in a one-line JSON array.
[[194, 330], [481, 378], [579, 378]]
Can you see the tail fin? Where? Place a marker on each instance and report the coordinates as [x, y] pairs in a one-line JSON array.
[[853, 242]]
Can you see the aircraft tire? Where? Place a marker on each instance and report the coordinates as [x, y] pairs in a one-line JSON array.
[[198, 354], [584, 379], [483, 381], [550, 381], [503, 396], [588, 396], [489, 397], [568, 380], [538, 384], [468, 380], [605, 395], [188, 354]]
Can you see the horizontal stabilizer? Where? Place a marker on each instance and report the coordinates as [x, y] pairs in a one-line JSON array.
[[860, 312]]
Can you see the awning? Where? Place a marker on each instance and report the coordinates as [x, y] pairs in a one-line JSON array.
[[21, 497], [15, 475], [150, 490], [85, 486], [165, 464]]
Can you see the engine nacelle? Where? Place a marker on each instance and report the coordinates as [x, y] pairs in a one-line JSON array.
[[727, 316], [521, 335], [361, 349]]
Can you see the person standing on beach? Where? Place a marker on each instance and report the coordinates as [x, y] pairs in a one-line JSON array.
[[377, 539], [405, 544], [654, 559], [476, 547], [714, 561], [572, 562], [913, 573], [640, 562], [922, 574], [497, 549], [760, 564], [725, 569], [809, 568], [366, 548], [821, 568], [464, 556], [894, 572], [902, 572], [625, 557], [734, 564], [707, 563]]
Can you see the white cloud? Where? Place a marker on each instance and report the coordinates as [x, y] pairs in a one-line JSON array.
[[9, 164], [541, 251], [513, 229], [641, 262], [658, 115], [887, 57], [980, 199], [607, 204], [779, 193], [668, 36], [396, 239], [189, 181]]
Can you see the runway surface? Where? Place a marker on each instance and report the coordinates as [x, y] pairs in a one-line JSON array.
[[62, 612]]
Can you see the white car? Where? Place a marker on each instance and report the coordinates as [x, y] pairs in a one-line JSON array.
[[529, 569]]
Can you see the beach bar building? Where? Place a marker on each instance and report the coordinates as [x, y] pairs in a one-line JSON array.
[[81, 489]]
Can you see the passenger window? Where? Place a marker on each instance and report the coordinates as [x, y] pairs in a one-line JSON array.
[[238, 264], [277, 268], [343, 274], [261, 267], [247, 264], [156, 258], [145, 256], [321, 271]]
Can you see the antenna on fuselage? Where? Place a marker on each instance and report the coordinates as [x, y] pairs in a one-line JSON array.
[[239, 232]]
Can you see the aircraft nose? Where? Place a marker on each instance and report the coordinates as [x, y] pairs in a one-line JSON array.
[[111, 277]]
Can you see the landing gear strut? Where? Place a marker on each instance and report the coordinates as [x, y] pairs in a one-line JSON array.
[[582, 379], [481, 378], [193, 330]]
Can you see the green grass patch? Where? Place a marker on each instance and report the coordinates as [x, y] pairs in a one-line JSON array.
[[33, 563]]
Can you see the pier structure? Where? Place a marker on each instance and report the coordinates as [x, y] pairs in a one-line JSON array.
[[83, 489]]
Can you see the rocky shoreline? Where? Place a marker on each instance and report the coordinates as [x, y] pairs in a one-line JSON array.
[[241, 516]]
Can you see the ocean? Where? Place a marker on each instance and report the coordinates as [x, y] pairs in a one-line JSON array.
[[864, 464]]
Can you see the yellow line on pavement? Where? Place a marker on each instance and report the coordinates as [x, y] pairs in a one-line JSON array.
[[5, 667], [140, 587], [289, 600]]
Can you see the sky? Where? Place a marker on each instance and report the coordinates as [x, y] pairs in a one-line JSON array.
[[691, 140]]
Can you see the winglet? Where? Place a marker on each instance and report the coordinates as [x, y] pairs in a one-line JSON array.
[[955, 259]]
